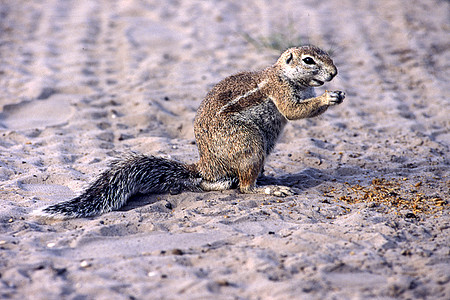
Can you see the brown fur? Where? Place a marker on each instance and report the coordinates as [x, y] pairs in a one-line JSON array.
[[236, 128], [240, 120]]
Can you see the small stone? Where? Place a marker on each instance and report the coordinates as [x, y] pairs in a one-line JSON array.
[[406, 252], [152, 274], [177, 252], [223, 282], [85, 264], [410, 216]]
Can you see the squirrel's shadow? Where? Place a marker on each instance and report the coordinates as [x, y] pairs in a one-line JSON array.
[[140, 200], [304, 180]]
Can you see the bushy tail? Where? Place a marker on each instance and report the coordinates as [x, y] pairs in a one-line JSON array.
[[126, 177]]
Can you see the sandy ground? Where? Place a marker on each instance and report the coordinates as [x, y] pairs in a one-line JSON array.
[[84, 80]]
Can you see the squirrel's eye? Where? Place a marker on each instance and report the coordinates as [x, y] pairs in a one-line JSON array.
[[309, 61]]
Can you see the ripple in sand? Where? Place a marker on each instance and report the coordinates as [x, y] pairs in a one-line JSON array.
[[53, 111]]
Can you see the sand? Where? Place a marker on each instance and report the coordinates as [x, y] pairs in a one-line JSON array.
[[83, 81]]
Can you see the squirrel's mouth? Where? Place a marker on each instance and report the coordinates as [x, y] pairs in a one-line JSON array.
[[316, 82]]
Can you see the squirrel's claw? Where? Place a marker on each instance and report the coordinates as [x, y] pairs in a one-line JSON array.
[[335, 97]]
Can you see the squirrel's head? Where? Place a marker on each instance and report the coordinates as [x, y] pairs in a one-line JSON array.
[[307, 66]]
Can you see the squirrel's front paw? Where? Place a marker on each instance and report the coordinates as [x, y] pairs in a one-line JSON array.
[[334, 97]]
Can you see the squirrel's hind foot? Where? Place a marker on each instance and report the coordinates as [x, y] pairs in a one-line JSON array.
[[273, 190]]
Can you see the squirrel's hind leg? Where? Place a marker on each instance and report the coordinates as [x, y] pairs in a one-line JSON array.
[[247, 181]]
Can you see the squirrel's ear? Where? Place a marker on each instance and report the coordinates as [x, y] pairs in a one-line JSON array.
[[290, 58]]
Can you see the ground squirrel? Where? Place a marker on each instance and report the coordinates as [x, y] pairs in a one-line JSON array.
[[236, 128]]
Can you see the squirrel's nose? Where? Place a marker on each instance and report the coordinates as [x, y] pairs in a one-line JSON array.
[[333, 72]]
